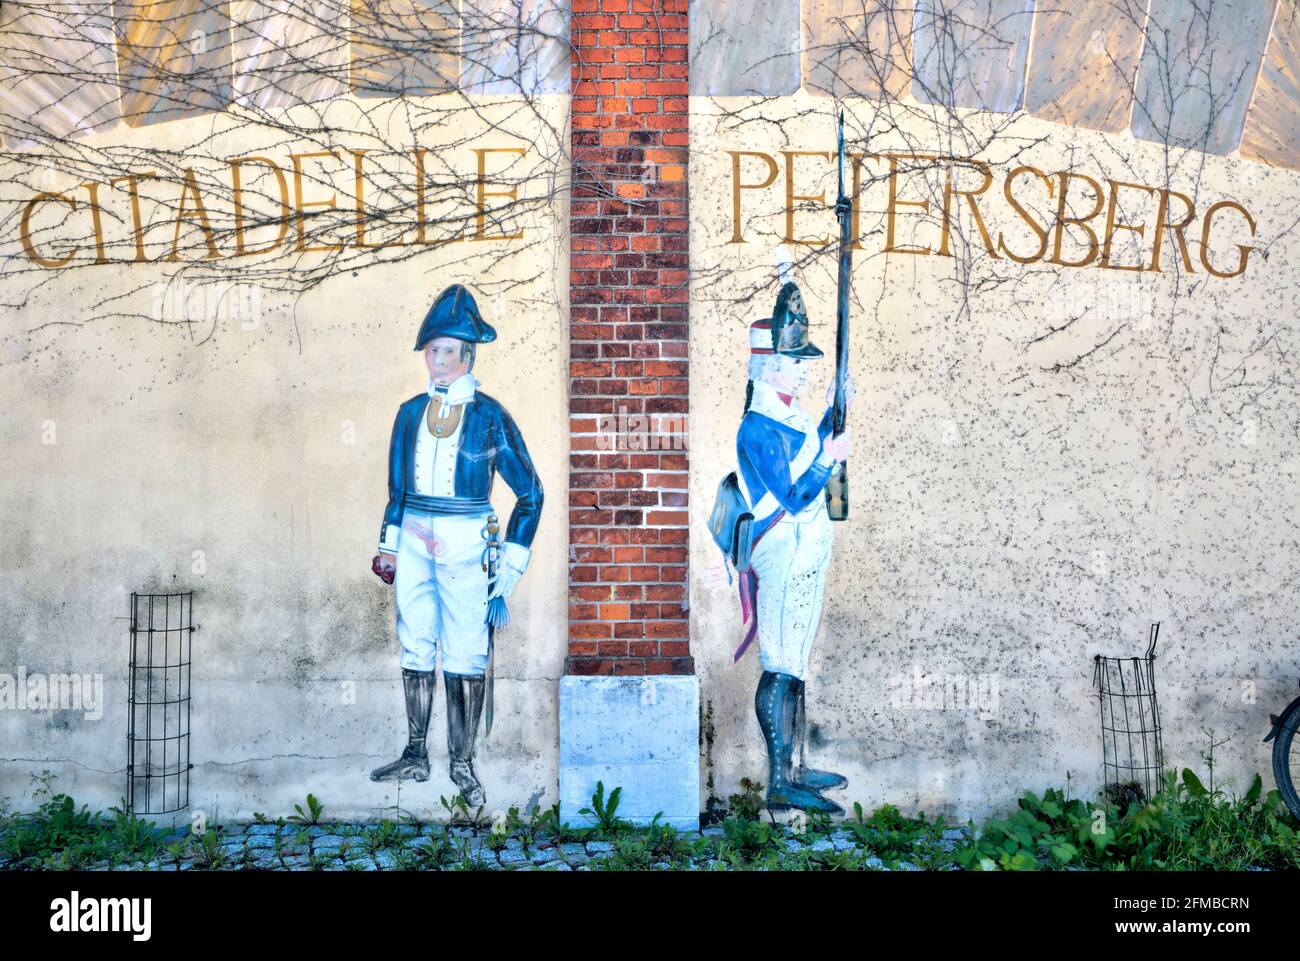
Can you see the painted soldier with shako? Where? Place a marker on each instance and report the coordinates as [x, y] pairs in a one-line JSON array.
[[786, 461], [440, 542], [776, 532]]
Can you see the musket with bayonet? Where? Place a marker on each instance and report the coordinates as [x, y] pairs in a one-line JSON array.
[[837, 488]]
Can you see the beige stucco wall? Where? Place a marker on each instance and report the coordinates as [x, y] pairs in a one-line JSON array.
[[1022, 499], [264, 446]]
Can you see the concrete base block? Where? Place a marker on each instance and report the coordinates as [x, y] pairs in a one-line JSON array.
[[638, 733]]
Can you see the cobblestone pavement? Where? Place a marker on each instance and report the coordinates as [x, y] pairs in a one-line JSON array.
[[389, 847]]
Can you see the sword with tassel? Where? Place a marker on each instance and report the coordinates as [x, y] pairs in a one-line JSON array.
[[498, 615]]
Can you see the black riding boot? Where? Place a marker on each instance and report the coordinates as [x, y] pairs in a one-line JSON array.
[[775, 703], [464, 707], [810, 776], [414, 762]]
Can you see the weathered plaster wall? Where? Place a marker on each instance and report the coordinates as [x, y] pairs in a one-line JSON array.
[[266, 450], [1046, 459]]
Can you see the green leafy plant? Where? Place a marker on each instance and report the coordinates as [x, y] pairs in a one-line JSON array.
[[61, 835], [529, 830], [894, 837], [435, 851], [604, 812], [1042, 832], [209, 852], [631, 853], [311, 815], [178, 850], [1187, 826], [749, 803], [464, 858], [749, 840], [549, 823], [818, 824], [386, 834], [458, 812], [132, 838], [666, 843], [850, 860]]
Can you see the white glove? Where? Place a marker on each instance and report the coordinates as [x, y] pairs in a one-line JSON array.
[[504, 582], [511, 564]]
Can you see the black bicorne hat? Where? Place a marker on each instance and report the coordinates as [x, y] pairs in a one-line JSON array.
[[454, 314]]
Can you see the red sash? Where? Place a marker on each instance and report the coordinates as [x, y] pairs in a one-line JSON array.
[[748, 584]]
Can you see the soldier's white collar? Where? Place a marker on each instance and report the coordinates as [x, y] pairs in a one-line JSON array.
[[766, 402], [458, 391]]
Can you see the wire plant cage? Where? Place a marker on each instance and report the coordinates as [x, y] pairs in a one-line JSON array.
[[1132, 752], [158, 704]]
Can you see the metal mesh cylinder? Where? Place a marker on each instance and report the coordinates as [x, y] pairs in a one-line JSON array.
[[1132, 753], [158, 712]]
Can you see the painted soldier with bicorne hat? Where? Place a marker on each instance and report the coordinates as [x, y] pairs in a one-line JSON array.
[[440, 543]]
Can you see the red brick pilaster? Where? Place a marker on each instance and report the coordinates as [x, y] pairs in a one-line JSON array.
[[628, 372]]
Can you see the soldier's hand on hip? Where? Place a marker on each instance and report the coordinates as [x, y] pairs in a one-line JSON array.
[[503, 584], [839, 447], [385, 566]]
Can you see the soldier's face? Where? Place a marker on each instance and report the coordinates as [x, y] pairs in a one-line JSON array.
[[788, 374], [444, 357]]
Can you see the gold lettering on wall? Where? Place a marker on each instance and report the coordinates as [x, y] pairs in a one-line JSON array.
[[1163, 224], [299, 205], [1243, 250], [482, 193], [308, 199], [891, 212], [25, 230], [1113, 225], [133, 187], [1039, 230], [950, 190], [791, 197], [191, 189], [1069, 226], [237, 185], [359, 190], [737, 186]]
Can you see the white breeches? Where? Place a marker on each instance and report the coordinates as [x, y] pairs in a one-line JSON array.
[[791, 562], [441, 590]]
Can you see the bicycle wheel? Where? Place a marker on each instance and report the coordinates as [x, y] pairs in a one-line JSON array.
[[1286, 758]]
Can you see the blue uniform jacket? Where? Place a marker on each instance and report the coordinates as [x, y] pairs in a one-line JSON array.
[[765, 448], [490, 443]]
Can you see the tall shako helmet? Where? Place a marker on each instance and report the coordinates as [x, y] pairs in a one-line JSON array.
[[454, 314], [790, 324], [786, 331]]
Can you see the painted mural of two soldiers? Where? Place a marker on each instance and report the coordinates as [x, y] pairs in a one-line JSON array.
[[439, 543]]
